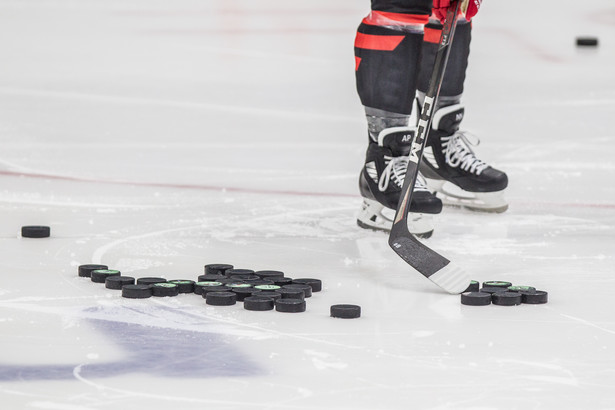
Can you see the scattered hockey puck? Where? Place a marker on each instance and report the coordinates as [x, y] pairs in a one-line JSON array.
[[496, 284], [35, 231], [346, 311], [221, 298], [521, 289], [473, 287], [506, 298], [536, 297], [492, 289], [243, 293], [217, 268], [85, 271], [210, 277], [307, 289], [267, 274], [201, 288], [267, 287], [150, 281], [183, 285], [291, 293], [258, 303], [315, 284], [164, 289], [231, 272], [136, 291], [117, 282], [270, 294], [281, 281], [100, 275], [587, 41], [476, 299], [290, 305]]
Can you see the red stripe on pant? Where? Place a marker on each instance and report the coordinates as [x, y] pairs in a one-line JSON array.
[[375, 42]]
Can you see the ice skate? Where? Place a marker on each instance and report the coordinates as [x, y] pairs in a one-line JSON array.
[[381, 181], [453, 171]]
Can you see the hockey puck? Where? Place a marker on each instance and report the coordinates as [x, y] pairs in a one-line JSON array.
[[200, 288], [307, 289], [315, 284], [268, 274], [536, 297], [521, 289], [267, 287], [217, 268], [476, 299], [136, 291], [506, 298], [116, 282], [290, 305], [587, 41], [291, 293], [183, 285], [473, 287], [99, 275], [150, 281], [33, 231], [231, 272], [346, 311], [258, 303], [243, 293], [164, 289], [210, 277], [492, 289], [281, 281], [246, 278], [221, 298], [270, 294], [496, 284], [85, 271]]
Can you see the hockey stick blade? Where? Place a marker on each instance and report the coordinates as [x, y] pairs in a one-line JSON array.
[[429, 263]]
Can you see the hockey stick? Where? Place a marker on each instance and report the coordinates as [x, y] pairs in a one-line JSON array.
[[429, 263]]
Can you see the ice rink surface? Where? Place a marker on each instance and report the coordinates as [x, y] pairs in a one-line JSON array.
[[159, 136]]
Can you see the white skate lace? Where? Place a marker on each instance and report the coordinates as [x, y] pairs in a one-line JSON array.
[[458, 153], [396, 170]]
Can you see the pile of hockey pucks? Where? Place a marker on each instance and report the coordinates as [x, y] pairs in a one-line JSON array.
[[503, 294], [223, 285]]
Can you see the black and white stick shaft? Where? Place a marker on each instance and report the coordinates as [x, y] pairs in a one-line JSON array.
[[428, 262]]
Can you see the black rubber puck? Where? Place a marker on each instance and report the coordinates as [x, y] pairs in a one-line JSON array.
[[496, 284], [85, 271], [267, 287], [281, 281], [116, 282], [290, 305], [220, 298], [270, 294], [536, 297], [521, 289], [473, 287], [506, 298], [34, 231], [587, 41], [200, 288], [184, 285], [230, 272], [260, 282], [210, 277], [100, 275], [164, 289], [268, 274], [291, 293], [136, 291], [258, 303], [150, 281], [492, 289], [476, 299], [243, 293], [315, 284], [346, 311], [217, 268], [245, 278], [307, 289]]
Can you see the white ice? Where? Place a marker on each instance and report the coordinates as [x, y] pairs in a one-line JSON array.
[[159, 136]]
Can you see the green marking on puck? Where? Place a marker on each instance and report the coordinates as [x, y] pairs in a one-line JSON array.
[[181, 282], [239, 285], [107, 271], [165, 285], [521, 288], [267, 287], [209, 283]]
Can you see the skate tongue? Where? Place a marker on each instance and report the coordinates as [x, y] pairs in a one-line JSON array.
[[447, 119], [397, 139]]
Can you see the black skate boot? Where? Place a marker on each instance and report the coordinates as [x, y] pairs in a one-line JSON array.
[[453, 171], [381, 181]]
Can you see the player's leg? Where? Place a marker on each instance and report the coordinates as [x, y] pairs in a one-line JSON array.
[[387, 51], [449, 164]]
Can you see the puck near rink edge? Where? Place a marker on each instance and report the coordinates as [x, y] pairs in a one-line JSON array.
[[476, 299], [35, 231], [85, 271], [136, 291], [344, 311], [290, 305]]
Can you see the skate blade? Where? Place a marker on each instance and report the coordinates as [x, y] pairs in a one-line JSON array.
[[452, 195], [376, 217]]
